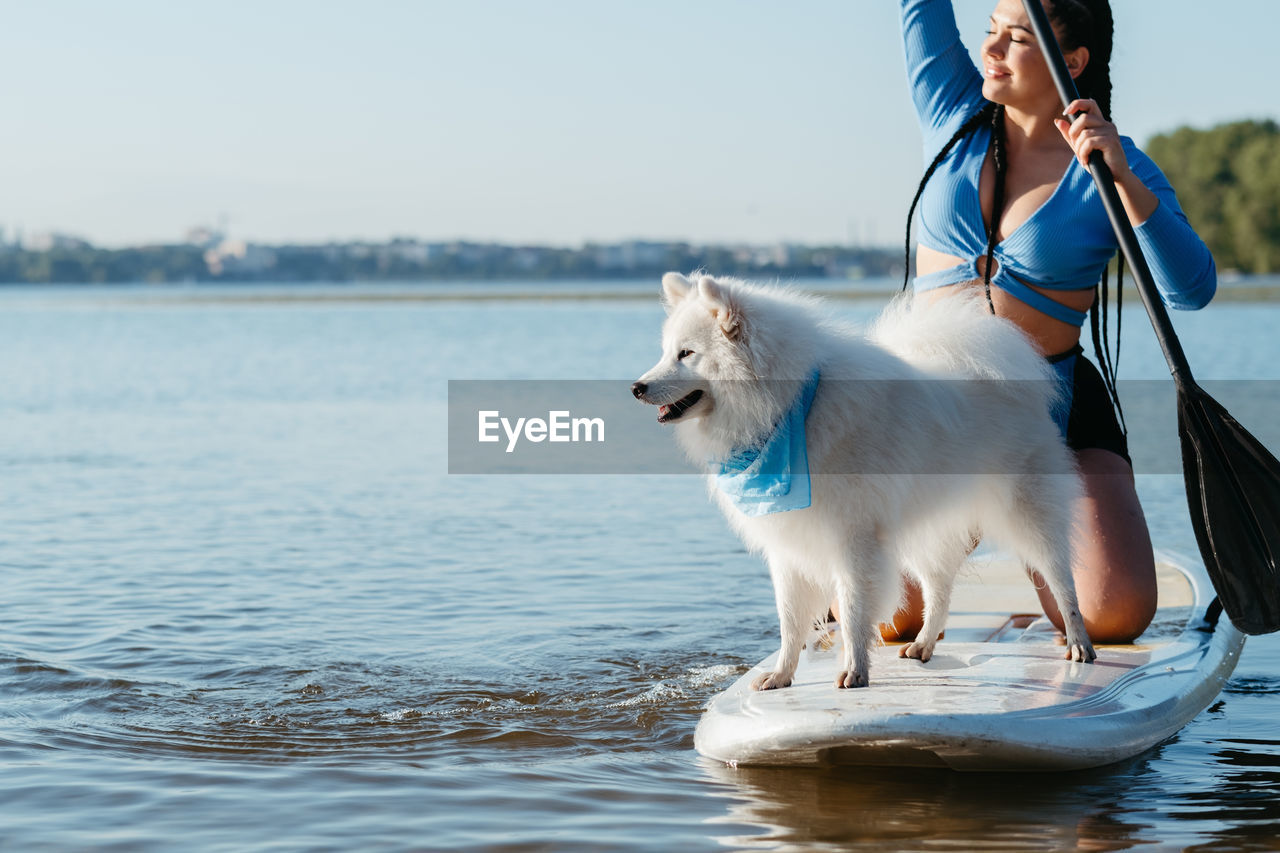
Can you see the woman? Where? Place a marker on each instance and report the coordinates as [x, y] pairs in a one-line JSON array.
[[1007, 205]]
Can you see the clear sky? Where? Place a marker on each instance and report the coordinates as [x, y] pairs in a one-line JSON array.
[[548, 122]]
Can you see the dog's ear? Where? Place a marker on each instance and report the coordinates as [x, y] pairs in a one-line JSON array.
[[723, 306], [675, 288]]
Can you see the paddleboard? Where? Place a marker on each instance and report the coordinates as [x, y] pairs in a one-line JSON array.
[[997, 694]]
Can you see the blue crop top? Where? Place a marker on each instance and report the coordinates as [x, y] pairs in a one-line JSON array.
[[1067, 241]]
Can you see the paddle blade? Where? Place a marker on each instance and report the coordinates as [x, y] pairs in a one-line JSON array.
[[1233, 489]]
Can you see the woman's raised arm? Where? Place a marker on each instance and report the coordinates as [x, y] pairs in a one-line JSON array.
[[946, 86]]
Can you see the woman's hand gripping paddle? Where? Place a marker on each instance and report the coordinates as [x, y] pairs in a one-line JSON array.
[[1233, 482]]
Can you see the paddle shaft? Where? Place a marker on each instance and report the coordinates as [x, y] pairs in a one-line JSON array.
[[1106, 184]]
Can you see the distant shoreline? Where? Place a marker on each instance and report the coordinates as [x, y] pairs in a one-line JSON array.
[[213, 257], [877, 289]]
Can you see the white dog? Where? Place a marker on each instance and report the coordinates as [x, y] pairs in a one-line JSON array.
[[848, 459]]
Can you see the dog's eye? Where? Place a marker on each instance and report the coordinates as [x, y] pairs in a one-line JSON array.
[[684, 353]]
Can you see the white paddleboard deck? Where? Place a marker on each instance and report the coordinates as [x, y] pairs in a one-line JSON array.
[[997, 694]]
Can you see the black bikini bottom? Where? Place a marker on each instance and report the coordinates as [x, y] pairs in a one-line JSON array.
[[1092, 419]]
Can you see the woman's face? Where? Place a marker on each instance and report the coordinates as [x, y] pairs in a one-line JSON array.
[[1013, 69]]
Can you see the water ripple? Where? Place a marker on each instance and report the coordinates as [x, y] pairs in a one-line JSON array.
[[1261, 685], [275, 713]]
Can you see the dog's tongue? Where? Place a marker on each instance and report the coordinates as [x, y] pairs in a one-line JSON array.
[[663, 411]]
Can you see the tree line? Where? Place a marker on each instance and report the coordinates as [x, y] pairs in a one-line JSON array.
[[1228, 183]]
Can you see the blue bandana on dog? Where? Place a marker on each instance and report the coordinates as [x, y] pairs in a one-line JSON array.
[[773, 477]]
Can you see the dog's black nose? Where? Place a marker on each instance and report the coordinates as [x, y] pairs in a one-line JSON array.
[[638, 389]]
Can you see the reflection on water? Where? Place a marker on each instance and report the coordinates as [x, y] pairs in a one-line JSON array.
[[244, 605], [906, 809]]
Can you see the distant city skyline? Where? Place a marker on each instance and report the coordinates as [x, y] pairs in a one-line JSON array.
[[542, 124], [207, 255]]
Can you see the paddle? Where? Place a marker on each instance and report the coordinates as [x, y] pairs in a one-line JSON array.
[[1233, 482]]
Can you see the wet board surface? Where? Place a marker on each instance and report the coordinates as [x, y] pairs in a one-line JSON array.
[[997, 694]]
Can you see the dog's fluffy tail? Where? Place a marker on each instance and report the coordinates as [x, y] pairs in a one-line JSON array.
[[957, 336]]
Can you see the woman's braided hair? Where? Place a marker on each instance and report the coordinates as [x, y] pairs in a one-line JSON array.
[[1079, 23]]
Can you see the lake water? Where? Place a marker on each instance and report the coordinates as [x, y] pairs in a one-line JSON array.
[[246, 607]]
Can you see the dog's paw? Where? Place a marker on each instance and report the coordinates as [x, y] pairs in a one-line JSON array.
[[852, 678], [1082, 652], [770, 681], [919, 650]]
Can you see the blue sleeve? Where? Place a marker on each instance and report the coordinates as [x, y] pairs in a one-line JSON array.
[[1180, 262], [946, 87]]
